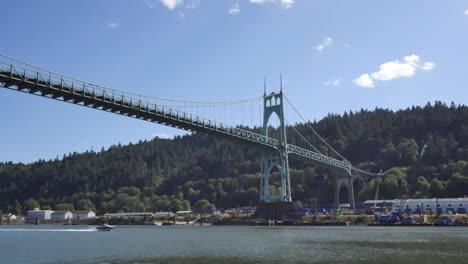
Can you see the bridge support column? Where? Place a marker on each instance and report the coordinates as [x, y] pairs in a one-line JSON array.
[[346, 181], [278, 158]]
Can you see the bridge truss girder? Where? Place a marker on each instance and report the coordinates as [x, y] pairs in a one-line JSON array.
[[47, 84]]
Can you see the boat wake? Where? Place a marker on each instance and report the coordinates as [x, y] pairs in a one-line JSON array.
[[46, 230]]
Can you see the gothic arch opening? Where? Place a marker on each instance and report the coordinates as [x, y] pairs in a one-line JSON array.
[[343, 195], [273, 125]]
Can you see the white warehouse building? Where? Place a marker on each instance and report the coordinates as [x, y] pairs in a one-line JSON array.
[[84, 215], [443, 205], [61, 215], [39, 214]]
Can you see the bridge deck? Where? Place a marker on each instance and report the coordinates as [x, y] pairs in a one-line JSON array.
[[58, 87]]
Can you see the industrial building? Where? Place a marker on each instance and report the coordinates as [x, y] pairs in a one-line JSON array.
[[39, 214], [163, 214], [444, 205], [130, 214], [61, 215], [425, 206], [84, 215]]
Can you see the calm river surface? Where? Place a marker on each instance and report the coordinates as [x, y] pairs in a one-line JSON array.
[[214, 244]]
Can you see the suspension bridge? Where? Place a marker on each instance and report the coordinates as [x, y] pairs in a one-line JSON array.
[[194, 116]]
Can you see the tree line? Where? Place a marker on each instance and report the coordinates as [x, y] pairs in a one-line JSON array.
[[422, 150]]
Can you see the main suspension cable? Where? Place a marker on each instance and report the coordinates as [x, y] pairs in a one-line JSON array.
[[302, 136], [197, 103], [315, 132]]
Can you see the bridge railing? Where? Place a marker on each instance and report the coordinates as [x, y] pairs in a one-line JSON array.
[[29, 75], [35, 79], [305, 153]]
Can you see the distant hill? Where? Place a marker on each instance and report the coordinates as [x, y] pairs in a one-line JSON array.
[[424, 150]]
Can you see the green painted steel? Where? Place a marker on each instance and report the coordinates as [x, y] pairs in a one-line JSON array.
[[32, 80], [273, 104]]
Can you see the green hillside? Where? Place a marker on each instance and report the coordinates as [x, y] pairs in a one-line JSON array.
[[424, 151]]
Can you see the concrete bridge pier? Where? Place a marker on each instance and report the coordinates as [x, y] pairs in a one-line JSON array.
[[345, 181]]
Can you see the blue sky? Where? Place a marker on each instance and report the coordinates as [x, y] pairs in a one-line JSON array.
[[335, 56]]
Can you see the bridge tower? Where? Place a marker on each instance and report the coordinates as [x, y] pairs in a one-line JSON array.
[[273, 104], [347, 182]]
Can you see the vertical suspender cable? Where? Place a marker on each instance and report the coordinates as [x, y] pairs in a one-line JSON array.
[[251, 114], [315, 132]]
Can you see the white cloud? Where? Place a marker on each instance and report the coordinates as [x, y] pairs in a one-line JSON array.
[[319, 47], [394, 70], [364, 81], [234, 10], [326, 42], [284, 3], [287, 3], [466, 12], [332, 83], [182, 6], [113, 24], [171, 4], [261, 1], [194, 4], [428, 66]]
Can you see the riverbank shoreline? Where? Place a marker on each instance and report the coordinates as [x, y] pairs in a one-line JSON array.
[[320, 220]]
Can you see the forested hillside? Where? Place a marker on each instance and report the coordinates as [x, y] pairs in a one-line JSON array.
[[424, 151]]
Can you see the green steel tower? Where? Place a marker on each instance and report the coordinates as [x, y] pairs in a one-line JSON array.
[[278, 157]]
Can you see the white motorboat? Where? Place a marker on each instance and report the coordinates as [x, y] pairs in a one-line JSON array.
[[105, 227]]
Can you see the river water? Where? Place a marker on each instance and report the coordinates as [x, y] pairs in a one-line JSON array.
[[236, 244]]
